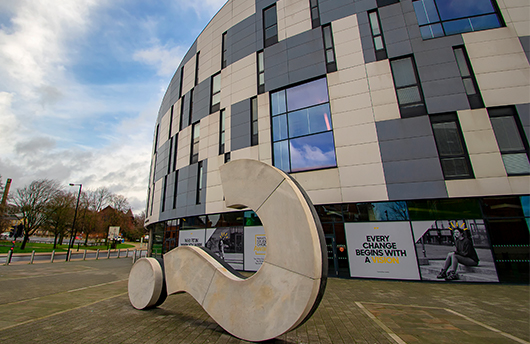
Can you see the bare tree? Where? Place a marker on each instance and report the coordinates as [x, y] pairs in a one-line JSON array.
[[31, 201], [99, 198], [59, 215], [119, 203]]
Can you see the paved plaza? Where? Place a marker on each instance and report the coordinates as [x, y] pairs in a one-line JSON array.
[[86, 302]]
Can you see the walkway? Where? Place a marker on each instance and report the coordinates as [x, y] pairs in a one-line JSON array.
[[86, 302]]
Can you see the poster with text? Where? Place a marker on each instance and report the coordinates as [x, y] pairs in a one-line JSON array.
[[194, 237], [435, 241], [255, 248], [381, 250], [227, 244]]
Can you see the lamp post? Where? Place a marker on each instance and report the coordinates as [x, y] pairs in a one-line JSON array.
[[72, 236]]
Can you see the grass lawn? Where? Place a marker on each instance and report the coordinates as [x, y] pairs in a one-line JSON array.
[[5, 246]]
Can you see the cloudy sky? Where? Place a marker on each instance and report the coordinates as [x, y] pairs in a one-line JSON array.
[[81, 83]]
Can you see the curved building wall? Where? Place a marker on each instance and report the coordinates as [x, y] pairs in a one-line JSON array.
[[417, 109]]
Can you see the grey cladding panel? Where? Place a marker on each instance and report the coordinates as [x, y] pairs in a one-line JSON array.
[[201, 101], [525, 42], [416, 190], [403, 128], [408, 149], [241, 39], [447, 103], [185, 116], [411, 171], [331, 10], [162, 161], [240, 125], [524, 114]]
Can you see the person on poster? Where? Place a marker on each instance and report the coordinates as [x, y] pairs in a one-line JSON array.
[[465, 254]]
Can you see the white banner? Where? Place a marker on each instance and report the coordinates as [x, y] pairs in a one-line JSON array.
[[255, 247], [193, 237], [381, 250]]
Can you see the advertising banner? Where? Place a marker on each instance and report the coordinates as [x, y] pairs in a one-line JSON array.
[[227, 244], [381, 250], [255, 248], [436, 243], [193, 237]]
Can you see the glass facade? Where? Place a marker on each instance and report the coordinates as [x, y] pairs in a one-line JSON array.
[[449, 17], [302, 133]]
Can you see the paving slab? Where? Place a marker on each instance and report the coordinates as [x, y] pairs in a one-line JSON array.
[[86, 302]]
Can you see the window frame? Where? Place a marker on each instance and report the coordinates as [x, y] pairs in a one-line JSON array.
[[475, 100], [452, 117], [409, 109], [164, 191], [260, 71], [181, 122], [195, 140], [222, 131], [254, 140], [267, 42], [181, 81], [175, 190], [315, 21], [224, 48], [197, 68], [200, 182], [287, 137], [217, 106], [439, 23], [510, 111], [190, 112], [380, 54], [330, 66]]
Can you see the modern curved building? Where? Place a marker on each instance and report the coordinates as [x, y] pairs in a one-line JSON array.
[[401, 119]]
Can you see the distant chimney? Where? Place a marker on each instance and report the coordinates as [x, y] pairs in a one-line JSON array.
[[6, 192]]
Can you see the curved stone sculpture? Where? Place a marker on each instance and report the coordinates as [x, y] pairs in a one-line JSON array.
[[291, 282]]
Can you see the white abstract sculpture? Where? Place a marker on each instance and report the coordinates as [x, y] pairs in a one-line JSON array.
[[289, 285]]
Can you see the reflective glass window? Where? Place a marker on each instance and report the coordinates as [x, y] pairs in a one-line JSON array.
[[448, 17], [302, 131], [510, 139], [454, 158], [312, 152]]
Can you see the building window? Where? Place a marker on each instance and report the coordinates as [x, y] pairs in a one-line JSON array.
[[261, 72], [302, 134], [270, 26], [197, 68], [438, 18], [223, 51], [190, 113], [377, 35], [181, 81], [195, 136], [315, 13], [222, 131], [152, 200], [164, 190], [175, 152], [451, 147], [408, 91], [331, 64], [468, 78], [227, 157], [156, 138], [181, 123], [216, 93], [169, 155], [254, 121], [510, 139], [175, 190], [199, 183], [170, 121]]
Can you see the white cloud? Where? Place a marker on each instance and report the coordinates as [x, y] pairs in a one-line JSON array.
[[204, 7], [165, 59]]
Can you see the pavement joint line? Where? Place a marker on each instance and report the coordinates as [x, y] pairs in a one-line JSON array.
[[61, 312], [388, 331], [47, 274], [95, 285], [522, 341], [62, 292]]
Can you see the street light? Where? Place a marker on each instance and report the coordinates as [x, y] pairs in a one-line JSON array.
[[72, 234]]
